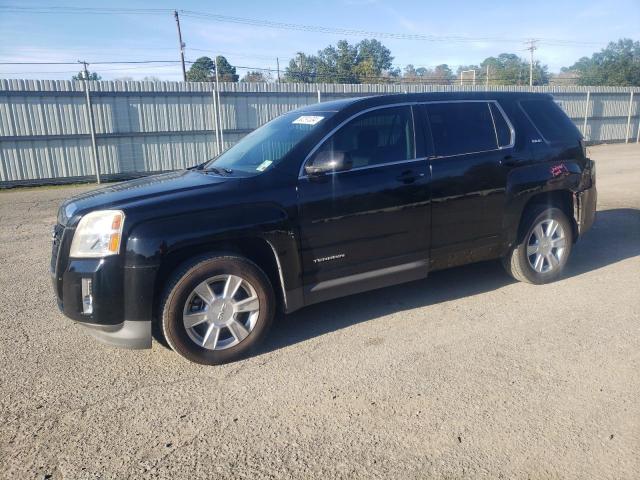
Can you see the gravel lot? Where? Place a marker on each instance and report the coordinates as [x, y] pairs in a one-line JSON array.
[[464, 375]]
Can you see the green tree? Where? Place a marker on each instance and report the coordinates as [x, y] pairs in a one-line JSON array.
[[254, 76], [510, 69], [301, 69], [617, 65], [565, 78], [337, 64], [204, 70], [375, 52], [81, 76], [365, 71], [440, 75], [366, 61], [506, 69], [410, 74], [226, 71]]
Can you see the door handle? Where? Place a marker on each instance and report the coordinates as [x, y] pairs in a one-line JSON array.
[[409, 176]]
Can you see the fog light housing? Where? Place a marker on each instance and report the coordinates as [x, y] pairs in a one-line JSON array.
[[87, 297]]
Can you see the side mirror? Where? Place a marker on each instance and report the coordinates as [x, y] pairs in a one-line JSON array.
[[328, 162]]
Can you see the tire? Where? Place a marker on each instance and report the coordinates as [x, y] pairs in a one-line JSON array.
[[534, 245], [217, 309]]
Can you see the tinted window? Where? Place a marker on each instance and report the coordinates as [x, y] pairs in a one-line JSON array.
[[503, 131], [550, 120], [464, 127], [380, 136]]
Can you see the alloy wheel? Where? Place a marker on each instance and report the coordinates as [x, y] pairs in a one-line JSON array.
[[546, 246], [221, 312]]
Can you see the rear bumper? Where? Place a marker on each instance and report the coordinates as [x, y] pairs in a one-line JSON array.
[[586, 202]]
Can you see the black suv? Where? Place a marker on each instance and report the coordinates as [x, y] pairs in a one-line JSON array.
[[324, 201]]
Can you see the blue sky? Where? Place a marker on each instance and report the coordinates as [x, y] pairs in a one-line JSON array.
[[69, 37]]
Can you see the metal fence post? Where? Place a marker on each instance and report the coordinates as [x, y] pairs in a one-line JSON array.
[[92, 131], [319, 97], [586, 116], [215, 120], [220, 118], [626, 137]]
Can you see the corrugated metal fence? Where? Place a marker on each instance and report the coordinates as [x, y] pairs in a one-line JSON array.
[[48, 129]]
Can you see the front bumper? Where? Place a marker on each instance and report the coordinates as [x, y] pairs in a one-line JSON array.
[[121, 296], [128, 334]]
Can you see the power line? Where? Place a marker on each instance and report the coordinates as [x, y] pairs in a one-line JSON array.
[[118, 62], [122, 69], [85, 10], [281, 25], [343, 31]]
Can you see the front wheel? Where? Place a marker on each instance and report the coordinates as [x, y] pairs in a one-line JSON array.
[[544, 246], [215, 310]]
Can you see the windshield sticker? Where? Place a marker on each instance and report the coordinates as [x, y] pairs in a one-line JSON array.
[[264, 165], [307, 120]]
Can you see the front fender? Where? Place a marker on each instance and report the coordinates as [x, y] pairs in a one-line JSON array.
[[151, 242]]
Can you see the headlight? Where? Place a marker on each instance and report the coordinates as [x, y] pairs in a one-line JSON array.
[[98, 234]]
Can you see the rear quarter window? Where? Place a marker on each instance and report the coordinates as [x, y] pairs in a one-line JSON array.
[[552, 123]]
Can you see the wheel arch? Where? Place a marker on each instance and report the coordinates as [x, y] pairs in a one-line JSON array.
[[256, 249], [545, 183], [561, 199]]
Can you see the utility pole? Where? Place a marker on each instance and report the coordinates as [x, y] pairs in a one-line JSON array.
[[278, 68], [92, 125], [532, 46], [182, 45], [86, 71]]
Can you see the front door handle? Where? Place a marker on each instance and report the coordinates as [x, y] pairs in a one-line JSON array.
[[409, 176]]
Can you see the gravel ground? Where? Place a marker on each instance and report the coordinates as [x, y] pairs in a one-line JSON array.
[[464, 375]]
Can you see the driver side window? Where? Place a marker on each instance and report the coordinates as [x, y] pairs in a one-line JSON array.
[[377, 137]]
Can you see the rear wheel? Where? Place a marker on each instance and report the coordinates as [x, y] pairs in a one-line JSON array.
[[217, 309], [544, 246]]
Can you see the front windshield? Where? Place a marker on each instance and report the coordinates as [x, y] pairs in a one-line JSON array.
[[265, 147]]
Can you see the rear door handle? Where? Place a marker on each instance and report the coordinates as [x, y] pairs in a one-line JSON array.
[[409, 176]]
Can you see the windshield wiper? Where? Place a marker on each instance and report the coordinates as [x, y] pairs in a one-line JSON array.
[[200, 166], [219, 171]]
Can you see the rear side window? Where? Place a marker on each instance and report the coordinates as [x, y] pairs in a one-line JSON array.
[[464, 127], [503, 132], [550, 120]]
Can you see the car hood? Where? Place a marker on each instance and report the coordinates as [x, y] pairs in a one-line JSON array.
[[124, 194]]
